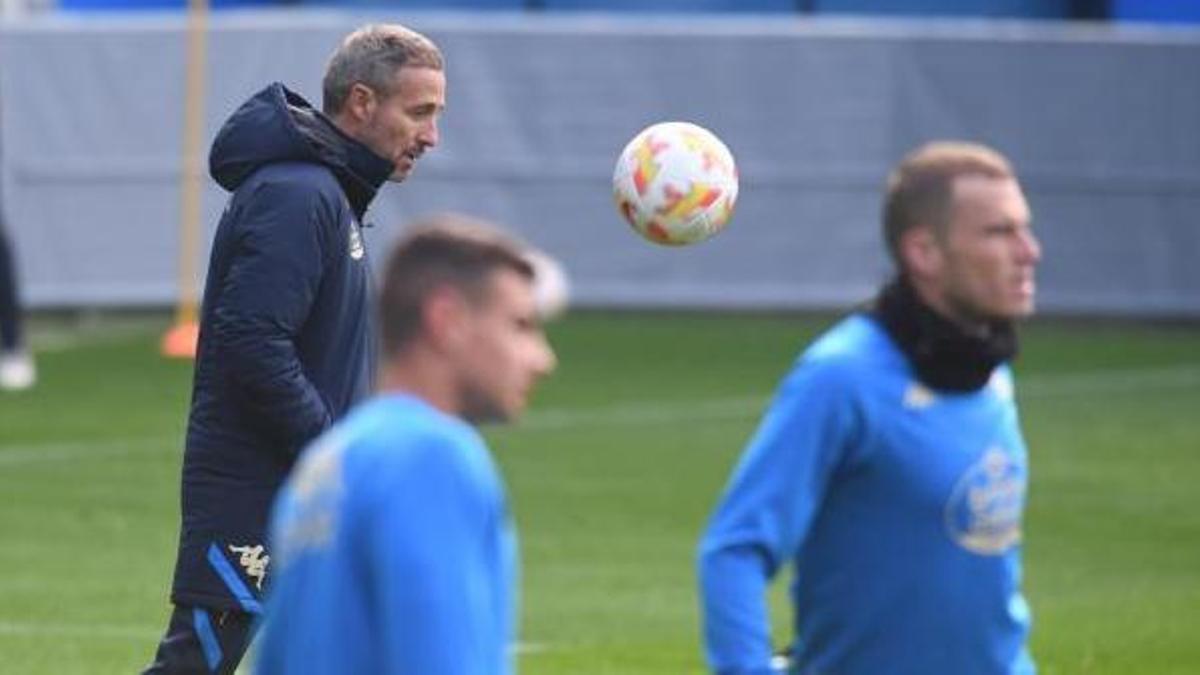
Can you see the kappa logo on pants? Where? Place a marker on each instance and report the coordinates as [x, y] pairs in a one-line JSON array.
[[254, 562]]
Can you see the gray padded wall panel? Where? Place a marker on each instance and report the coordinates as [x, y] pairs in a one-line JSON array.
[[1103, 125]]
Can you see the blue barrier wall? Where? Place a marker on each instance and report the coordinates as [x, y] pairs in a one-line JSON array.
[[1029, 9], [1164, 11]]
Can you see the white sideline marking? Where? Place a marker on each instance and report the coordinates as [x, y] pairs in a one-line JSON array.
[[531, 648], [644, 413], [62, 452], [649, 413], [36, 628], [72, 337], [1118, 381]]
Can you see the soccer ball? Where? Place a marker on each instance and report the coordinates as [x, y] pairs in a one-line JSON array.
[[676, 183]]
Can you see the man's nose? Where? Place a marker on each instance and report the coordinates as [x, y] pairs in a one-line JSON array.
[[429, 135], [1031, 248]]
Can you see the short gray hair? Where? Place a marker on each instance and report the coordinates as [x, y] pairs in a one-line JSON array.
[[371, 55]]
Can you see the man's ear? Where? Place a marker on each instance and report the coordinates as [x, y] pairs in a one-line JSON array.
[[921, 251], [444, 317], [360, 102]]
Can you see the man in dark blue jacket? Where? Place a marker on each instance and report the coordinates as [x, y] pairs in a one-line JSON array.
[[286, 332]]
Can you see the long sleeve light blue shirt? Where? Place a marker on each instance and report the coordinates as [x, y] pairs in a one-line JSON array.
[[899, 508], [394, 552]]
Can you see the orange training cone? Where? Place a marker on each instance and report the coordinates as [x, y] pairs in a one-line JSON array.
[[180, 341]]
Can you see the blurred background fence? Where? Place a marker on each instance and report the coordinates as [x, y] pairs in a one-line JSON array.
[[1102, 119]]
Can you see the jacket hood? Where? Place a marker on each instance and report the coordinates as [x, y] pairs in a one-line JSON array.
[[278, 125]]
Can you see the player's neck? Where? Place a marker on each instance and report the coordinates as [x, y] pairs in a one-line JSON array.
[[939, 304], [943, 355], [420, 376]]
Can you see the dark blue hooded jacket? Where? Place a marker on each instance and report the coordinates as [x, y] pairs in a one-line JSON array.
[[286, 332]]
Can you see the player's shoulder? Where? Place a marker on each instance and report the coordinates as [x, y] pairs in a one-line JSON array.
[[843, 369], [397, 433], [402, 417], [852, 349]]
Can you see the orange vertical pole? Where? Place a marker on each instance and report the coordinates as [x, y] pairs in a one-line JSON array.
[[180, 341]]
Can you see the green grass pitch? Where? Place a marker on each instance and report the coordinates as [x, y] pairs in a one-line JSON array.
[[612, 475]]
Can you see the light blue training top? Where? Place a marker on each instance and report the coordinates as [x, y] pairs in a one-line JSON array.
[[393, 551], [900, 508]]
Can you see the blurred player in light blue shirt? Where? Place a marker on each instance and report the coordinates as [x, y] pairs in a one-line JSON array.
[[394, 548], [890, 470]]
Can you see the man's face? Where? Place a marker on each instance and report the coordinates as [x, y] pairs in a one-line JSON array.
[[506, 351], [401, 125], [987, 253]]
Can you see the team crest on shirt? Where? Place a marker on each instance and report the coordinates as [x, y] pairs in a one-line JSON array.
[[357, 250], [983, 514]]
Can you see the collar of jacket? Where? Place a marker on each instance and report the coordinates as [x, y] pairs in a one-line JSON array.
[[365, 173], [359, 171], [944, 356]]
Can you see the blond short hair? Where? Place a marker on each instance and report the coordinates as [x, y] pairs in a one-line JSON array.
[[919, 189]]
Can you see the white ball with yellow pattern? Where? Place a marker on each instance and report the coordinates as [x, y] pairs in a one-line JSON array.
[[676, 183]]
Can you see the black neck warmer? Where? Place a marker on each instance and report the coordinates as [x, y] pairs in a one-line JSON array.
[[944, 356]]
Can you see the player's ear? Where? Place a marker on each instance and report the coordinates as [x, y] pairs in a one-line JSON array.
[[444, 314], [921, 251]]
